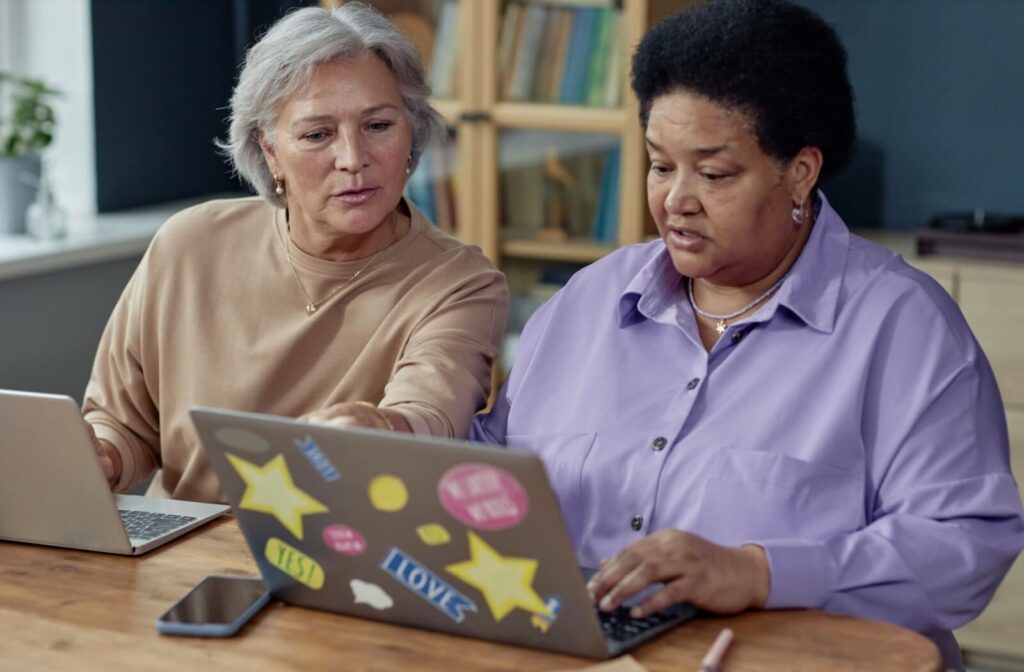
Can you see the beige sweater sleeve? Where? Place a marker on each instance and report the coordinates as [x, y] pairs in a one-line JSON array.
[[213, 317], [443, 375], [117, 400]]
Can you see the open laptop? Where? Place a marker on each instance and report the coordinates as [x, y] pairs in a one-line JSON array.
[[53, 491], [436, 534]]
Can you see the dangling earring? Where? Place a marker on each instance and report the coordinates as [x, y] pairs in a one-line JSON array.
[[408, 165], [278, 186], [798, 215]]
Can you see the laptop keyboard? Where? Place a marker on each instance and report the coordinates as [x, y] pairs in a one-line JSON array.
[[619, 626], [150, 524]]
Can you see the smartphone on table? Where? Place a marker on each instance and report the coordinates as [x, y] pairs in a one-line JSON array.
[[218, 606]]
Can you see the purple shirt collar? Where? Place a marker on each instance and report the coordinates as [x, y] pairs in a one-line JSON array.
[[810, 292]]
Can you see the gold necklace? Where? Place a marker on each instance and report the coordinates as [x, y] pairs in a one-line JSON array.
[[311, 305]]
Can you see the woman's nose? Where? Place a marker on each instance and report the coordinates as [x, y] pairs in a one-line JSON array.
[[348, 153], [682, 198]]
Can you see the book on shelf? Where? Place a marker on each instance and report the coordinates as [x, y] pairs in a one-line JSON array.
[[432, 186], [581, 3], [511, 25], [607, 212], [442, 62], [582, 200], [579, 53], [616, 63], [548, 47], [443, 185], [523, 191], [561, 53], [528, 53], [598, 63], [560, 186], [418, 190]]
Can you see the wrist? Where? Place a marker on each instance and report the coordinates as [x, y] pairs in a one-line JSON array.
[[758, 574], [383, 421], [115, 460]]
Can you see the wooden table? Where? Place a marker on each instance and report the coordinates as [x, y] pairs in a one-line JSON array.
[[64, 610]]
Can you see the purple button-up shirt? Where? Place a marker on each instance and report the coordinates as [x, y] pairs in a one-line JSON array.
[[851, 427]]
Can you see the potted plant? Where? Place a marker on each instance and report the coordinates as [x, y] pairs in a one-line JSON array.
[[26, 127]]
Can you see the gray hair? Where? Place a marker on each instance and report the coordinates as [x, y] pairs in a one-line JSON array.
[[282, 62]]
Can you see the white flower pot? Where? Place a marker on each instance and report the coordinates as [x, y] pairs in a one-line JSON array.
[[18, 179]]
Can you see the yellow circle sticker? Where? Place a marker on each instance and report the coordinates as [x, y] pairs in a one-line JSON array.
[[388, 493]]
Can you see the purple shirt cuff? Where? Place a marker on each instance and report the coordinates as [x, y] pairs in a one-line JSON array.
[[802, 573]]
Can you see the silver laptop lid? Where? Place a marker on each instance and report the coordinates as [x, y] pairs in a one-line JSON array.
[[435, 534], [52, 488]]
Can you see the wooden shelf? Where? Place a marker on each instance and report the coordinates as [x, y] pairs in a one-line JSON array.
[[573, 250], [486, 122], [451, 110], [559, 117]]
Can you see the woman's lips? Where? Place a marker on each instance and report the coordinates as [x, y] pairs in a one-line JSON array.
[[686, 239], [356, 196]]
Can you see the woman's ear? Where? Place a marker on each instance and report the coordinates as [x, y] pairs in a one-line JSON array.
[[803, 173], [268, 152]]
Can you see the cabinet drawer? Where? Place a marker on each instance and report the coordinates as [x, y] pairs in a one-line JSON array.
[[996, 315], [943, 273], [997, 631]]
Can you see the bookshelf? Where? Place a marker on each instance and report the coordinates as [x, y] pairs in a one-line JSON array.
[[546, 167]]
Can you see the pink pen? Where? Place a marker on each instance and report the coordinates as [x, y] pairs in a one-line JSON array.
[[714, 656]]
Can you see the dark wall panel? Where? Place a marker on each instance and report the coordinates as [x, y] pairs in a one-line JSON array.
[[940, 107], [163, 73]]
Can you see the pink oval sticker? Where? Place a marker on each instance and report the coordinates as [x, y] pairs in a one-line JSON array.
[[345, 540], [482, 496]]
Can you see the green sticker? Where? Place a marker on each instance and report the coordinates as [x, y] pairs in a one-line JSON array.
[[294, 563]]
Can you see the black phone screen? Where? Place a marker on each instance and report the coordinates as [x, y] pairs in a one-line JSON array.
[[217, 599]]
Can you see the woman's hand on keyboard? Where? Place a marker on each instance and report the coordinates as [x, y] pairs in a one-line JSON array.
[[719, 579], [110, 459]]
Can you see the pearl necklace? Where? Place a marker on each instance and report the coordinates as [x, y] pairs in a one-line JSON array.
[[721, 326]]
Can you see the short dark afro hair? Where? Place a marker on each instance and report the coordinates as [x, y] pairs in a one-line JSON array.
[[778, 63]]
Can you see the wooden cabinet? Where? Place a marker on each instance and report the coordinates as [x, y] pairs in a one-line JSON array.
[[987, 295], [993, 640], [990, 300]]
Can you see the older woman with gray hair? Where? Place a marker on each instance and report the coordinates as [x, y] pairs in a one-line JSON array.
[[328, 296]]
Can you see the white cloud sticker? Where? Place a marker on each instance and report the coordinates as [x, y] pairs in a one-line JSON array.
[[371, 594]]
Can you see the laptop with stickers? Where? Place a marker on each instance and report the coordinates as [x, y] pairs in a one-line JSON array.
[[436, 534], [53, 492]]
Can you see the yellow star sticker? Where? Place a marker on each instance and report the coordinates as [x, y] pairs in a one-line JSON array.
[[270, 489], [506, 583]]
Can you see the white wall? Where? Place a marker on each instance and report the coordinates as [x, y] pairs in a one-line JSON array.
[[51, 40], [5, 34]]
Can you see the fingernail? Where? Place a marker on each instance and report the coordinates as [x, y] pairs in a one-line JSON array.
[[606, 603], [636, 612]]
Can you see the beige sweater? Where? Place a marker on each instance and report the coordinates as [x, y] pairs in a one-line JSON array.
[[213, 316]]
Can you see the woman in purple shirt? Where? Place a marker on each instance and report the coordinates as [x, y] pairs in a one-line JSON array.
[[762, 410]]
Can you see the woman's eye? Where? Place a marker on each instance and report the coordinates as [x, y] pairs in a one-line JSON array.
[[659, 169], [379, 125], [315, 136], [713, 177]]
